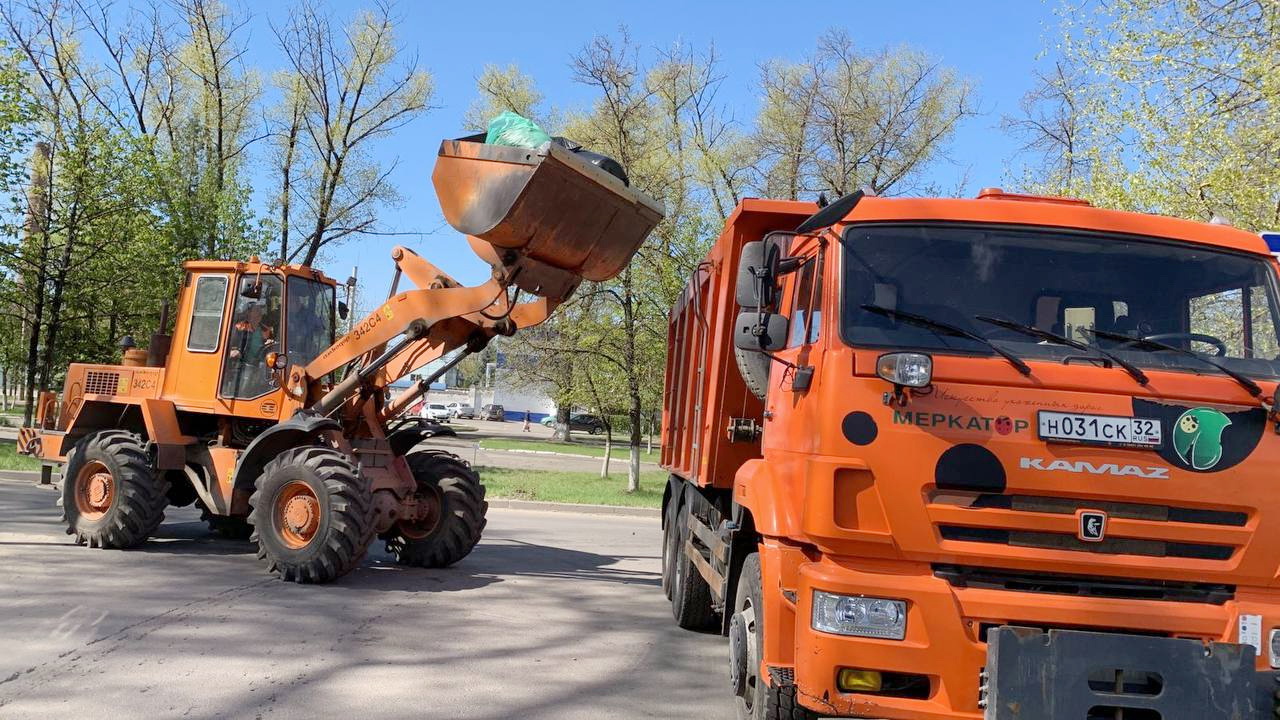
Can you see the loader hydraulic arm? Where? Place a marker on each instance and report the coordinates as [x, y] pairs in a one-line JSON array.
[[438, 317]]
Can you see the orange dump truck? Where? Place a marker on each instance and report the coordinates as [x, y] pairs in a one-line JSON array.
[[1004, 457]]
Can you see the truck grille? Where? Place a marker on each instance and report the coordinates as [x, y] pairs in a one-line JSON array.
[[97, 382], [1141, 529], [1084, 585]]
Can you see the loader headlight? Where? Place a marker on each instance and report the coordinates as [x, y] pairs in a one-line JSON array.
[[1273, 645], [861, 616], [907, 369]]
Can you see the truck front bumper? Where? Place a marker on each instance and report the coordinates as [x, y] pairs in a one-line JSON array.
[[988, 653]]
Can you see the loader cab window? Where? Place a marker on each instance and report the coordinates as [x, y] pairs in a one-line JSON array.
[[206, 313], [254, 332], [309, 326]]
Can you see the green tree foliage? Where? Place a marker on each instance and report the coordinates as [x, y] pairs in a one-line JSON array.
[[1164, 106]]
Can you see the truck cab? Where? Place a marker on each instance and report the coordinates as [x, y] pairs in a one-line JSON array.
[[1003, 457]]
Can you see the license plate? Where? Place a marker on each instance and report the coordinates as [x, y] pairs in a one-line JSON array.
[[1099, 429]]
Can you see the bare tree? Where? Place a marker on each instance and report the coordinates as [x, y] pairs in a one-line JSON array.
[[357, 90], [1049, 127], [844, 119]]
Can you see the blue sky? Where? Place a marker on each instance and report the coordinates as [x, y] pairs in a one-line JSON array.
[[995, 44]]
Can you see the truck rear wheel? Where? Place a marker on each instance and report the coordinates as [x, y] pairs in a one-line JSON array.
[[690, 593], [449, 533], [670, 546], [754, 698], [111, 497], [312, 515]]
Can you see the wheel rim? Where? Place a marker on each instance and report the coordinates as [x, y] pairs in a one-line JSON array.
[[430, 497], [95, 490], [297, 514], [750, 674]]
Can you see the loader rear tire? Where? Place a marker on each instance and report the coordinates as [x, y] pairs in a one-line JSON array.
[[312, 515], [754, 698], [111, 496], [690, 593], [455, 489]]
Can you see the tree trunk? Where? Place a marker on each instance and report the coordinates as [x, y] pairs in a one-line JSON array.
[[55, 311], [608, 450], [563, 431], [633, 470], [38, 223]]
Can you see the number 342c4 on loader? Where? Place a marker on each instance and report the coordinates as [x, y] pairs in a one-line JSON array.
[[243, 415]]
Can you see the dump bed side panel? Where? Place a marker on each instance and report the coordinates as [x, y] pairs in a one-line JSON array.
[[704, 390]]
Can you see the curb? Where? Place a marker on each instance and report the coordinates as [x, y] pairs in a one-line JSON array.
[[575, 508], [560, 454], [33, 477]]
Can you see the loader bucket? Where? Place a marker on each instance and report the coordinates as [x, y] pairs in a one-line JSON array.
[[547, 217]]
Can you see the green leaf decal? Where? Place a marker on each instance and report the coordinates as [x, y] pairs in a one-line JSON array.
[[1197, 437]]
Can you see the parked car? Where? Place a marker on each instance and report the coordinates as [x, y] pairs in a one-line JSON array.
[[461, 410], [582, 421], [435, 411], [493, 412], [578, 421]]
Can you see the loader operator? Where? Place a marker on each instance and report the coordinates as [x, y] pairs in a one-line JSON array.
[[251, 340]]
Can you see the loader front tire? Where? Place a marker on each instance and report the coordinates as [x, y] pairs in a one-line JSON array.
[[111, 496], [312, 515], [454, 489]]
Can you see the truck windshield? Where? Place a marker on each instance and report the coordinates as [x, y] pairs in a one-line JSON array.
[[309, 324], [1216, 303]]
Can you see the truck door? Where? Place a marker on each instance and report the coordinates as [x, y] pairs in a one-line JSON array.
[[796, 379]]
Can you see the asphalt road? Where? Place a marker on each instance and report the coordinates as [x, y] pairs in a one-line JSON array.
[[553, 616]]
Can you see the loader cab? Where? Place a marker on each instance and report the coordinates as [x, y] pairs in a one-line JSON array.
[[233, 320]]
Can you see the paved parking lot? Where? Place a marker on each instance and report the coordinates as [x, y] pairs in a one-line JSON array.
[[553, 616]]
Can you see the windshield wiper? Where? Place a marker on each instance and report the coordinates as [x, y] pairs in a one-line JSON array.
[[1244, 382], [948, 329], [1053, 337]]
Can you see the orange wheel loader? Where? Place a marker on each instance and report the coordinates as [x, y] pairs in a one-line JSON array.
[[253, 410], [1009, 457]]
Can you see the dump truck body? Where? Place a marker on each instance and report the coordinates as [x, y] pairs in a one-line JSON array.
[[1042, 536]]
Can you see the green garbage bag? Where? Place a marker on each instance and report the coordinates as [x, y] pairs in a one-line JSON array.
[[512, 129]]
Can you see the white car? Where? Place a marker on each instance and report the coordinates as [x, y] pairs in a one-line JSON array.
[[461, 410], [435, 411]]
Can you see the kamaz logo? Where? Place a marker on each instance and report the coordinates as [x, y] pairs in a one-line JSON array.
[[1088, 468]]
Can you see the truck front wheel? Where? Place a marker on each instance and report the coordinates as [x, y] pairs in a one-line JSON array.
[[754, 698], [312, 515], [111, 497]]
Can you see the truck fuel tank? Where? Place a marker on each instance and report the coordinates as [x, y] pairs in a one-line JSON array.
[[545, 216]]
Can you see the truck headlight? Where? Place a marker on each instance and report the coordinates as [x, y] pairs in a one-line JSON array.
[[908, 369], [862, 616]]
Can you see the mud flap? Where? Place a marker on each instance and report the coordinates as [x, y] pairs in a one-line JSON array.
[[1074, 675]]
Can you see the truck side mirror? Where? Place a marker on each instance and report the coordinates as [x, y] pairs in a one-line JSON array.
[[750, 264], [343, 310], [760, 331]]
